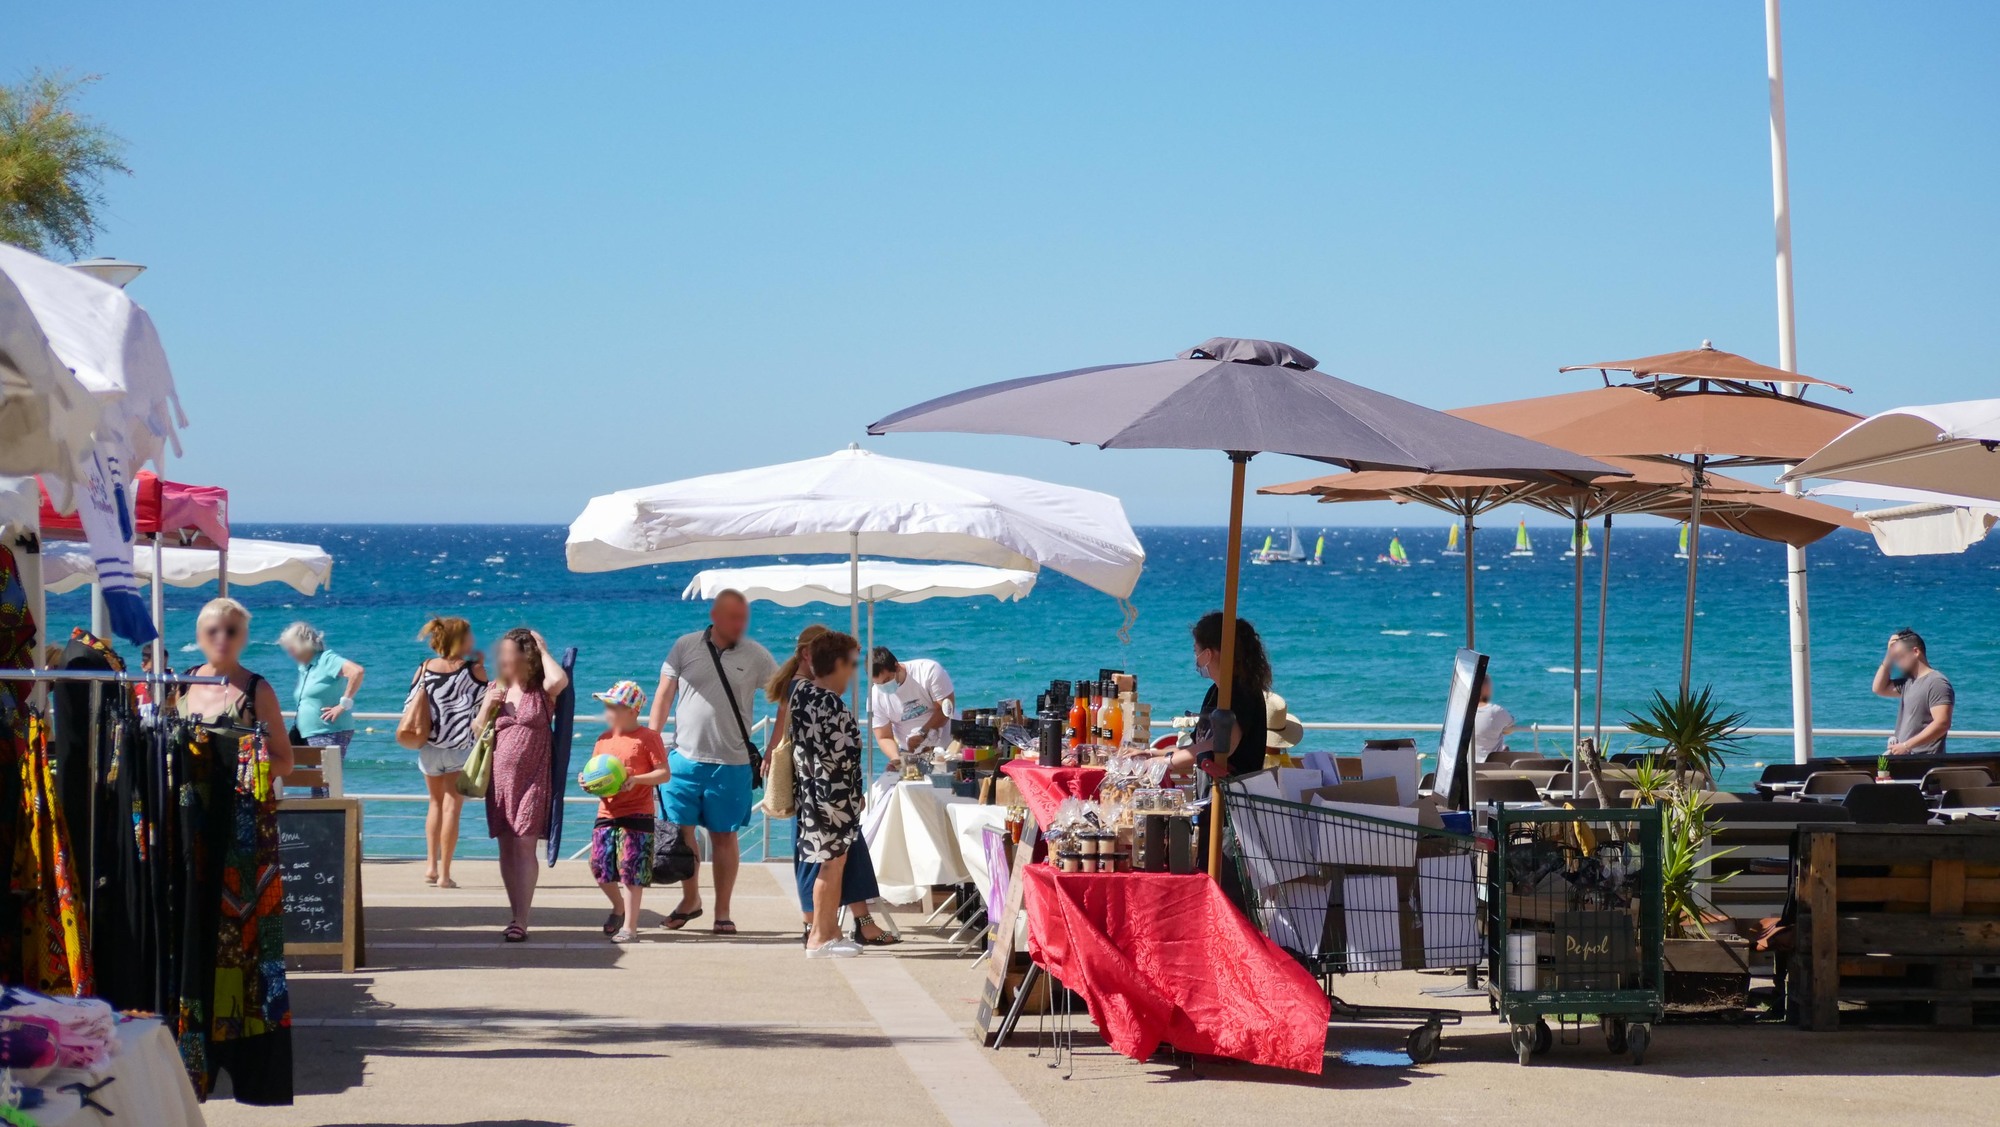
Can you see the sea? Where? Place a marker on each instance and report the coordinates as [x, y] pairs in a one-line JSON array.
[[1355, 640]]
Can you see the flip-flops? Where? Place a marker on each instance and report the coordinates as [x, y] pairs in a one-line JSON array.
[[677, 919], [725, 927], [613, 922]]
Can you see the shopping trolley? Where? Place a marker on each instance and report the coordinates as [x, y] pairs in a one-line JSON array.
[[1344, 893]]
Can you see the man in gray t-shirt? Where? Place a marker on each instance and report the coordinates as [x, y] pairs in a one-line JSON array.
[[1923, 695], [709, 781]]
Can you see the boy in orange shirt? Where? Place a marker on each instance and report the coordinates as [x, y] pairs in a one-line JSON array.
[[621, 842]]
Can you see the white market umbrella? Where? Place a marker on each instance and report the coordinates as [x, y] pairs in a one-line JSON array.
[[855, 502], [1950, 448], [882, 581], [46, 415], [305, 568]]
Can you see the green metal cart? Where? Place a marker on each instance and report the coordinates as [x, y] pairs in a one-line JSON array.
[[1574, 923]]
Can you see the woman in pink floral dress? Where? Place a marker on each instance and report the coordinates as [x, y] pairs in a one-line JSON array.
[[519, 705]]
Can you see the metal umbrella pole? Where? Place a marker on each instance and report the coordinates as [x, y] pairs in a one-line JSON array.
[[1694, 558], [1603, 596], [1471, 613], [159, 643], [1576, 653], [1222, 721]]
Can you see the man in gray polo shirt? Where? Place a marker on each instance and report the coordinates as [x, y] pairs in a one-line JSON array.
[[709, 779], [1924, 696]]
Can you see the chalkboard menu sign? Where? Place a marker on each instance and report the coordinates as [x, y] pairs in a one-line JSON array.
[[319, 859]]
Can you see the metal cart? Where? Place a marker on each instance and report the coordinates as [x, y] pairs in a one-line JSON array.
[[1343, 893], [1574, 924]]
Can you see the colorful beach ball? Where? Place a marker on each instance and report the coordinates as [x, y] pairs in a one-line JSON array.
[[603, 775]]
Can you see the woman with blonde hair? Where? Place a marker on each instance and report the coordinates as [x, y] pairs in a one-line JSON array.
[[454, 681], [222, 630], [521, 705]]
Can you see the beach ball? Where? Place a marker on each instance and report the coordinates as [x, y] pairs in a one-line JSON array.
[[603, 775]]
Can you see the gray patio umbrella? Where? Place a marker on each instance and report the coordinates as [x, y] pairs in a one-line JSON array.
[[1240, 397]]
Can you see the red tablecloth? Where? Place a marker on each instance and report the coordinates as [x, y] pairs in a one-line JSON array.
[[1044, 788], [1164, 958]]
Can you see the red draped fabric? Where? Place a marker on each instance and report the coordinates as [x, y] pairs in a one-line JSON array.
[[1044, 788], [1164, 958]]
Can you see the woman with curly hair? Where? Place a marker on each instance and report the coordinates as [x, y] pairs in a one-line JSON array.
[[520, 704]]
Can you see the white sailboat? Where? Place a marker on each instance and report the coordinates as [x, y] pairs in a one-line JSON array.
[[1319, 550], [1588, 551], [1296, 553], [1522, 545]]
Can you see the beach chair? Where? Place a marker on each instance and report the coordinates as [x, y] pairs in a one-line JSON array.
[[1887, 804], [1959, 798], [1822, 786], [1938, 780], [1508, 790], [1539, 763]]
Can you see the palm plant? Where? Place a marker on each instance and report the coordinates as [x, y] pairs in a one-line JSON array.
[[1691, 729], [1684, 835]]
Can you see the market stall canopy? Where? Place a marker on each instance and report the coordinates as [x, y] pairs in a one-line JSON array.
[[856, 501], [109, 343], [1705, 363], [1942, 447], [1744, 427], [882, 581], [47, 417], [1242, 396], [187, 515], [305, 568]]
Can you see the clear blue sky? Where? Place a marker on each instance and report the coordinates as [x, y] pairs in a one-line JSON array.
[[455, 261]]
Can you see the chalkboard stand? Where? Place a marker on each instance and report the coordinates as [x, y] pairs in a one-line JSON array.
[[352, 947]]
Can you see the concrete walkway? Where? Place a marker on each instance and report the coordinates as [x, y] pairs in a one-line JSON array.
[[449, 1026]]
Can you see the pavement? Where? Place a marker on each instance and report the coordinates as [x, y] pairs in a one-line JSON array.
[[447, 1025]]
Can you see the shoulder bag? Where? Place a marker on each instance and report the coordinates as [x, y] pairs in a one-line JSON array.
[[736, 712], [413, 729], [477, 774], [673, 859]]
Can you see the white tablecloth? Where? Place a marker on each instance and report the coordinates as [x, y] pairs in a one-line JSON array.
[[149, 1086], [969, 823], [910, 838]]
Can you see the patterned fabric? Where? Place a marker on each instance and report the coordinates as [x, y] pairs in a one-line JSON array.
[[517, 802], [621, 852], [17, 633], [454, 701], [54, 951], [826, 763], [251, 997]]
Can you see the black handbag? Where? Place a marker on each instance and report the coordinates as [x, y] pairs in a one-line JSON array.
[[674, 860], [736, 711]]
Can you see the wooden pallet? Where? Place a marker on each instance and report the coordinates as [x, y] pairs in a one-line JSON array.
[[1900, 923]]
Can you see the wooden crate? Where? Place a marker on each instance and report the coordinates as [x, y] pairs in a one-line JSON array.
[[1900, 923]]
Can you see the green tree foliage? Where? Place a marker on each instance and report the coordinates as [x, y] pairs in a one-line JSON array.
[[53, 163]]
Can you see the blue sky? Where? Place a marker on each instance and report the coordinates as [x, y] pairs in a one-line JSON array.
[[469, 262]]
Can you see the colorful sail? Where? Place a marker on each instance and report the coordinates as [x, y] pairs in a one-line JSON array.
[[1451, 539], [1522, 546], [1396, 551], [1319, 548], [1683, 553]]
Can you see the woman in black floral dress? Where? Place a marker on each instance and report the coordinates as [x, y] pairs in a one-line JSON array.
[[826, 764]]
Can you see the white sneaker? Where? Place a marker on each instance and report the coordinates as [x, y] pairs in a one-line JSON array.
[[837, 949]]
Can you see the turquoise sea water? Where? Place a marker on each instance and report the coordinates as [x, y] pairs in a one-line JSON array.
[[1351, 641]]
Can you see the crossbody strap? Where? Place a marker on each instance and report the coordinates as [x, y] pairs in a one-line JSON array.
[[735, 710]]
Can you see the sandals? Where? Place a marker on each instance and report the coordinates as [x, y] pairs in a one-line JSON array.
[[614, 922], [884, 939], [625, 935], [724, 927], [678, 919], [446, 882], [515, 933]]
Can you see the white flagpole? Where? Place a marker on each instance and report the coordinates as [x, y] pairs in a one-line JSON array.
[[1799, 613]]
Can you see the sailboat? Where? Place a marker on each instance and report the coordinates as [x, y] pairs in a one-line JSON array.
[[1574, 543], [1269, 555], [1319, 549], [1683, 553], [1395, 556], [1522, 546], [1451, 547]]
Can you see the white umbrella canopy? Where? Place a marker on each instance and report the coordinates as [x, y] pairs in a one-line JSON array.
[[855, 502], [46, 416], [882, 581], [1950, 448], [305, 568]]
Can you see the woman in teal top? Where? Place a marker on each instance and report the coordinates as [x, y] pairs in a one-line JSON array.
[[327, 684]]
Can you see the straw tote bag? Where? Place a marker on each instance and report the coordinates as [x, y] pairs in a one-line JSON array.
[[780, 797], [477, 774], [413, 729]]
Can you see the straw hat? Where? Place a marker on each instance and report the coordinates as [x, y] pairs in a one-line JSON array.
[[1281, 728]]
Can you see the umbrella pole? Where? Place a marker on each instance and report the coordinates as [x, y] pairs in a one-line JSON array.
[[1471, 615], [1576, 654], [159, 643], [221, 569], [1603, 596], [1694, 557], [870, 765], [854, 614], [1239, 464]]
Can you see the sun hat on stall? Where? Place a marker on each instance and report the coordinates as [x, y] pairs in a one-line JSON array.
[[625, 694], [1281, 728]]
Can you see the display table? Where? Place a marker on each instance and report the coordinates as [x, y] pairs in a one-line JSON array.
[[1164, 958], [911, 841], [145, 1083], [969, 823], [1044, 788]]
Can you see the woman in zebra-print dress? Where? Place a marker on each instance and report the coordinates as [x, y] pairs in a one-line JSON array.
[[455, 683]]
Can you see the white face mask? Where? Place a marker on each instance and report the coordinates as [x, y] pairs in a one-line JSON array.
[[1201, 667]]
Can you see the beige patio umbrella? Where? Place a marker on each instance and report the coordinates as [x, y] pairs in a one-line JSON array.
[[1700, 408]]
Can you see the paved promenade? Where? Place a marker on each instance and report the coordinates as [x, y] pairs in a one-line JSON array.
[[448, 1026]]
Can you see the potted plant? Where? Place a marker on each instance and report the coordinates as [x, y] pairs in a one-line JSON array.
[[1707, 971]]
